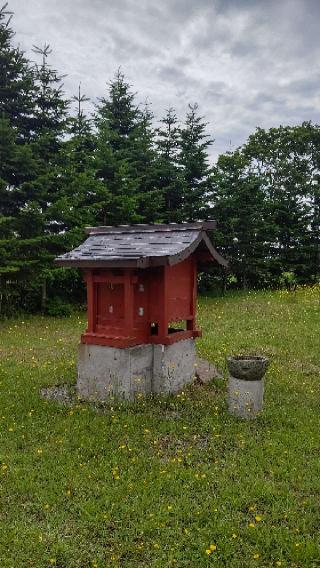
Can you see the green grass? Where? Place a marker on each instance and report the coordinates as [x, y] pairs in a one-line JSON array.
[[154, 484]]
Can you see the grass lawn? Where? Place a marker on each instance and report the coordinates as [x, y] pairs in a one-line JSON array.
[[156, 483]]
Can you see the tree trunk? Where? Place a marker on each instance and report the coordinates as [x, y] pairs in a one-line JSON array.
[[244, 281], [43, 296]]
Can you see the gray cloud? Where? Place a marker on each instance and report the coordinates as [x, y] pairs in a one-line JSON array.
[[247, 63]]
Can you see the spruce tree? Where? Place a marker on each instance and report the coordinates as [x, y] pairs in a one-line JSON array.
[[81, 194], [144, 162], [16, 80], [194, 161], [124, 157], [169, 173], [16, 158], [38, 227]]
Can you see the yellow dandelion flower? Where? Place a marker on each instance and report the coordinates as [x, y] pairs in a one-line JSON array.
[[256, 556], [213, 547], [251, 525], [208, 551], [258, 518]]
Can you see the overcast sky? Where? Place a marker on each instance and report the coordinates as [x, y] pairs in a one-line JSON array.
[[247, 63]]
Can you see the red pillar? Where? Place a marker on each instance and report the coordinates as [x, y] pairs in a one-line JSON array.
[[91, 302], [191, 324], [163, 301], [128, 302]]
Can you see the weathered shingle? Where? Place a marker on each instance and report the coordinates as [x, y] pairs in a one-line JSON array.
[[138, 245]]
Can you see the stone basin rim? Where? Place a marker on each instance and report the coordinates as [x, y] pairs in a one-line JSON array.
[[247, 358]]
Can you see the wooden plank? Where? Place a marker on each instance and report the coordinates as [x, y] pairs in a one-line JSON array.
[[91, 302], [191, 323], [163, 320], [128, 302]]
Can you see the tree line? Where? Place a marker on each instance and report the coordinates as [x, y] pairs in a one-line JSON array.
[[62, 170]]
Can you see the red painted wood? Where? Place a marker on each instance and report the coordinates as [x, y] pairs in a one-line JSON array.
[[128, 302], [91, 304], [163, 318], [191, 323], [111, 341], [132, 306]]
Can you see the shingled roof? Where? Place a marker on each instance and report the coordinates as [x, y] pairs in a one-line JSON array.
[[141, 245]]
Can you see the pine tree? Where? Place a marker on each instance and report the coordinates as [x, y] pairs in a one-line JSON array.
[[37, 225], [169, 174], [116, 119], [144, 163], [194, 160], [16, 81], [81, 194], [16, 159], [125, 158], [16, 88]]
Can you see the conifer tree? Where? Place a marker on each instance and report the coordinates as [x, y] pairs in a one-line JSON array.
[[144, 162], [116, 123], [169, 174], [81, 195], [16, 80], [194, 160], [16, 159], [37, 224], [124, 157]]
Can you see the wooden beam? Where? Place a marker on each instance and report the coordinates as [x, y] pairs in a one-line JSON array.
[[128, 302], [152, 228], [91, 302]]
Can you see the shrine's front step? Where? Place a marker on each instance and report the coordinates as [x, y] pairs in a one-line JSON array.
[[109, 372]]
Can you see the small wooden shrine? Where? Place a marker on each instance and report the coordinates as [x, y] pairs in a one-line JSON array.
[[140, 280], [142, 295]]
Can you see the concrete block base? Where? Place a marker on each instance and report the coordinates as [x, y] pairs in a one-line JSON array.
[[245, 398], [110, 372]]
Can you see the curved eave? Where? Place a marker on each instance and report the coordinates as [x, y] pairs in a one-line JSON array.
[[212, 255]]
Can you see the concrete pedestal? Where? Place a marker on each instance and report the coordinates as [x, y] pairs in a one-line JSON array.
[[110, 372], [245, 398]]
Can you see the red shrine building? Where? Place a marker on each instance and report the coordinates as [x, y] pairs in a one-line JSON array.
[[142, 283]]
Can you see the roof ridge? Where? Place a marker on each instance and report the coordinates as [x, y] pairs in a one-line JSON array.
[[152, 227]]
